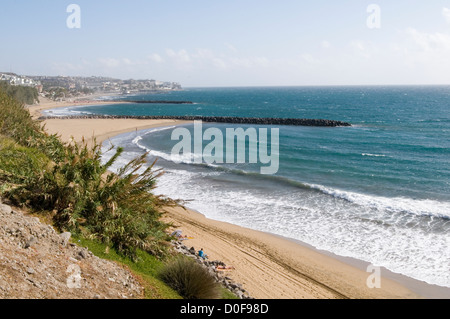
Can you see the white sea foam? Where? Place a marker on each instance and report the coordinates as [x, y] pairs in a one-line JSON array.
[[321, 222], [373, 155], [395, 204], [384, 231], [185, 158], [65, 111]]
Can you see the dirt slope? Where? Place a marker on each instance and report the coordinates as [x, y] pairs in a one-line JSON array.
[[36, 262]]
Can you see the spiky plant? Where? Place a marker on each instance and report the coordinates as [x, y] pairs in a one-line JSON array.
[[190, 279], [80, 192]]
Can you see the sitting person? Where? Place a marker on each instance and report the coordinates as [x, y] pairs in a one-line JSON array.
[[202, 254], [178, 235]]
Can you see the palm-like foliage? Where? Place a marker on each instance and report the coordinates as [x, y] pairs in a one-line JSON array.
[[81, 193]]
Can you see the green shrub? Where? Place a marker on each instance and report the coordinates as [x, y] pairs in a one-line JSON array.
[[20, 160], [19, 164], [15, 120], [86, 199], [23, 94], [17, 123], [77, 189], [189, 279]]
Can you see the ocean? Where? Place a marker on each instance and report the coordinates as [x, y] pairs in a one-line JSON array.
[[378, 191]]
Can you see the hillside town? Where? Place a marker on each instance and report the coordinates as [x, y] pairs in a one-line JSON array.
[[63, 87]]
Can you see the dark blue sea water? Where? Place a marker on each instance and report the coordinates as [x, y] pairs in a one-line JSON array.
[[377, 191]]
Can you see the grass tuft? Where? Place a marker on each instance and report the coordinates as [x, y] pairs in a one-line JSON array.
[[189, 279]]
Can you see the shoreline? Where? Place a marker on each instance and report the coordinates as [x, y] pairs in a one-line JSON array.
[[291, 268], [421, 288], [47, 104], [393, 285]]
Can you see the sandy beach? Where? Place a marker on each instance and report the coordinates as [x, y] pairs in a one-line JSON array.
[[268, 266], [47, 104]]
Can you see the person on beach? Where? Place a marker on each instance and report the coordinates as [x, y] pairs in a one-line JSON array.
[[219, 267], [178, 235], [202, 254]]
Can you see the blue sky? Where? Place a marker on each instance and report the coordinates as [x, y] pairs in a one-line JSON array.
[[231, 43]]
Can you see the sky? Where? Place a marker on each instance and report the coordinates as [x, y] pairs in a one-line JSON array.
[[231, 43]]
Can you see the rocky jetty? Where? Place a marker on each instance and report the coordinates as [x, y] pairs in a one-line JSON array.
[[156, 102], [213, 268], [215, 119]]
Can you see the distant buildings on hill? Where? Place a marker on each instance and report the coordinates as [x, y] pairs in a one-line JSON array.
[[107, 85], [73, 86], [15, 79]]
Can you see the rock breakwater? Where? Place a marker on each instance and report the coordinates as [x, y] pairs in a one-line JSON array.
[[156, 102], [215, 119]]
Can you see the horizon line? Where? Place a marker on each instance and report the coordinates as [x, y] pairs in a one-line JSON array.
[[244, 86], [307, 85]]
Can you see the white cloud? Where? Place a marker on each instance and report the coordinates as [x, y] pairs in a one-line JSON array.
[[112, 63], [219, 63], [362, 49], [109, 62], [204, 54], [156, 58], [430, 42], [325, 44], [231, 47], [180, 56], [446, 14], [127, 61], [250, 62], [358, 45], [171, 53], [261, 61], [425, 56], [308, 58], [207, 58], [64, 68]]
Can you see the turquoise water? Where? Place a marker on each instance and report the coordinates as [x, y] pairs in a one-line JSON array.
[[378, 191]]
